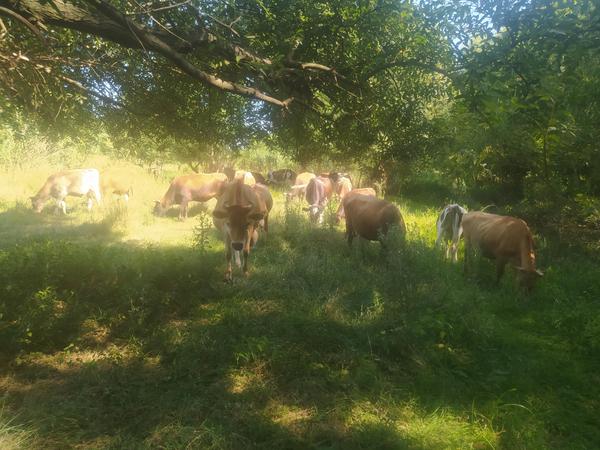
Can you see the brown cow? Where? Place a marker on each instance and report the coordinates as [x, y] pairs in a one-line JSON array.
[[370, 217], [238, 213], [318, 193], [364, 191], [304, 178], [505, 239], [76, 182], [343, 185], [197, 187], [116, 182]]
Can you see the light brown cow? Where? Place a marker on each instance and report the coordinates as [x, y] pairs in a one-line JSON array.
[[199, 187], [298, 190], [370, 217], [343, 185], [238, 213], [358, 191], [247, 177], [75, 182], [505, 239], [116, 182]]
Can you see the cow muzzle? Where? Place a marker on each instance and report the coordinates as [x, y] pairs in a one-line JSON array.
[[237, 246]]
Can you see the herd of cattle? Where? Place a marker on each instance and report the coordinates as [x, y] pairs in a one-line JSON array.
[[244, 202]]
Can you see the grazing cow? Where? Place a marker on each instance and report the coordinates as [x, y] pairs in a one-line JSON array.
[[238, 213], [116, 182], [370, 217], [75, 182], [449, 229], [197, 187], [281, 176], [505, 239], [359, 191], [318, 192]]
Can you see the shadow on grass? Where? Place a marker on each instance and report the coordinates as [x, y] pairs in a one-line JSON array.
[[321, 347]]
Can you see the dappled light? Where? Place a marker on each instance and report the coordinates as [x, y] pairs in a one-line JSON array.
[[299, 224]]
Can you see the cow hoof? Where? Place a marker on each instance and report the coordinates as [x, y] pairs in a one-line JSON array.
[[228, 278]]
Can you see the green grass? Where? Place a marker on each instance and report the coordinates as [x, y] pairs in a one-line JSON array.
[[118, 332]]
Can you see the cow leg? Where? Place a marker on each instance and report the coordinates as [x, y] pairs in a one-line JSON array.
[[500, 265], [349, 231], [61, 205], [89, 203], [454, 251], [183, 209], [246, 251], [228, 256], [467, 255]]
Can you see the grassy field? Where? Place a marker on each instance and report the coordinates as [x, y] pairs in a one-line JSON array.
[[118, 332]]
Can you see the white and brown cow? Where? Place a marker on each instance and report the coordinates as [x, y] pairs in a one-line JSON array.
[[74, 182], [197, 187], [449, 229], [504, 239], [371, 218], [239, 212]]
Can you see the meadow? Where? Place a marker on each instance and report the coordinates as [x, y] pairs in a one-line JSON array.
[[117, 331]]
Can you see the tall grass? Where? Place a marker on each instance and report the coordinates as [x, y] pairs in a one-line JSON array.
[[117, 332]]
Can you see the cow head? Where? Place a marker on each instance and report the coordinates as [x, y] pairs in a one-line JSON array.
[[240, 216], [528, 277], [37, 204], [159, 210], [314, 212]]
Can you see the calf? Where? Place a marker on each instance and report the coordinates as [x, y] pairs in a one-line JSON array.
[[238, 213], [318, 192], [199, 187], [449, 229], [504, 239], [364, 191], [116, 182], [370, 217], [75, 182]]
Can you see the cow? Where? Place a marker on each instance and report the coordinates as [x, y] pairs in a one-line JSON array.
[[318, 193], [74, 182], [116, 182], [238, 213], [245, 176], [298, 190], [304, 178], [371, 218], [503, 239], [197, 187], [343, 185], [358, 191], [281, 176], [449, 229]]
